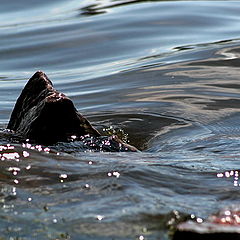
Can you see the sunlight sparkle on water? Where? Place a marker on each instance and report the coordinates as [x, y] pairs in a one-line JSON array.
[[25, 154], [10, 156], [7, 147], [73, 137], [28, 167], [232, 174], [16, 181], [100, 217], [9, 152], [14, 170], [36, 147], [115, 174], [47, 150], [62, 177]]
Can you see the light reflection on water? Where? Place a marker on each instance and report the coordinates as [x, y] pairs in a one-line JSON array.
[[167, 82], [52, 180]]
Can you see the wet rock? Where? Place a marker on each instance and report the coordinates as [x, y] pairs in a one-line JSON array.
[[45, 116], [225, 225]]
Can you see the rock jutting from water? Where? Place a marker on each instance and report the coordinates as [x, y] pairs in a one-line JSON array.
[[45, 116], [225, 225]]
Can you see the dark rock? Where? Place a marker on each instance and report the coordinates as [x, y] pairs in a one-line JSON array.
[[180, 235], [225, 225], [46, 116], [206, 231]]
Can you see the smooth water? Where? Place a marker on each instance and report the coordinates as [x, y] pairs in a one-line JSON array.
[[165, 74]]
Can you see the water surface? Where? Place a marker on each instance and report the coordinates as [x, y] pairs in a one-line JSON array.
[[164, 74]]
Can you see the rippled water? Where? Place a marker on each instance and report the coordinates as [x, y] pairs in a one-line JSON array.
[[165, 74]]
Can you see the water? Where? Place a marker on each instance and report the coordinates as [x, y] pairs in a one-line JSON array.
[[165, 73]]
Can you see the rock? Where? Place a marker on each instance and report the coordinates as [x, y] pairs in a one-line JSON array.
[[45, 116], [225, 225], [205, 231]]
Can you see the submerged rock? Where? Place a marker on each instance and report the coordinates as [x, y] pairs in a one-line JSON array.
[[45, 116], [225, 225]]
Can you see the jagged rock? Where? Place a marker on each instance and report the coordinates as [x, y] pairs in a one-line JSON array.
[[45, 116], [225, 225]]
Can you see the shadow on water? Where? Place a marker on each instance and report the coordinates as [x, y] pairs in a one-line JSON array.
[[138, 128]]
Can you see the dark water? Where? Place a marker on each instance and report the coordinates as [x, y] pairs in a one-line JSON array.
[[165, 73]]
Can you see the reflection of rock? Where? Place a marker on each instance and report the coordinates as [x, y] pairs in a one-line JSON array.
[[225, 225], [47, 116]]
